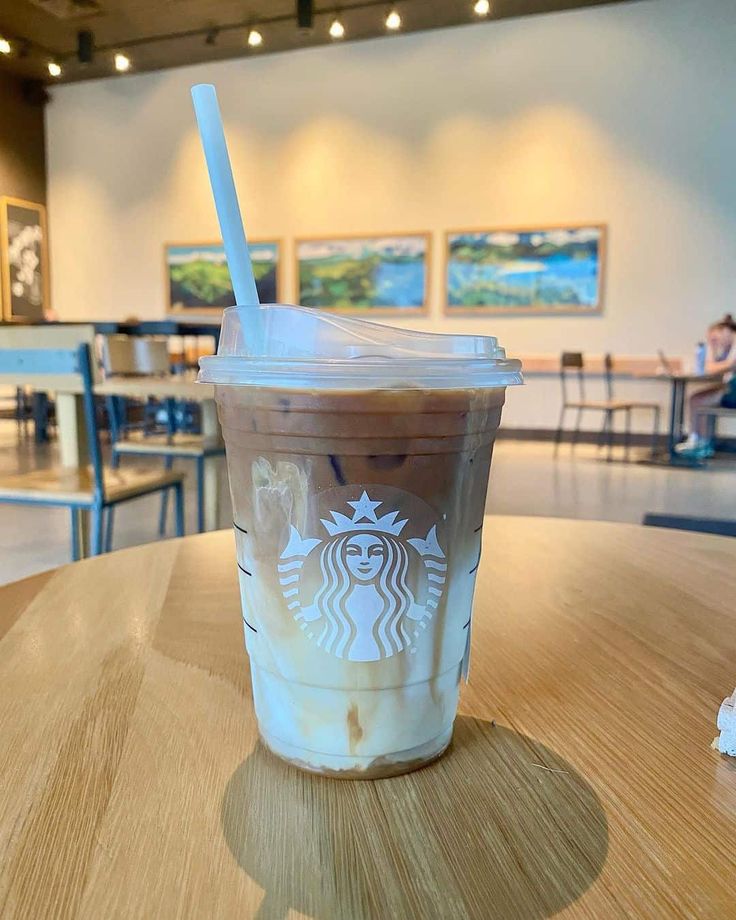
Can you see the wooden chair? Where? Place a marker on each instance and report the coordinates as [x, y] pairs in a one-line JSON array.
[[95, 489], [134, 356], [131, 355], [631, 404], [171, 445], [572, 363]]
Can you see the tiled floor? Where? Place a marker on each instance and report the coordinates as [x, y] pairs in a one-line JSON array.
[[526, 479]]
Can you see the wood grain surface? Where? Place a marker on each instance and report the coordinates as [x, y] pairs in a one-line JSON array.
[[580, 783]]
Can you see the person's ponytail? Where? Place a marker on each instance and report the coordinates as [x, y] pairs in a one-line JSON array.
[[727, 322]]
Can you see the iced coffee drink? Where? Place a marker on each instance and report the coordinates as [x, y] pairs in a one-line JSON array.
[[358, 458]]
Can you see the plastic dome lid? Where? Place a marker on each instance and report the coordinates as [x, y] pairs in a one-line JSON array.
[[278, 345]]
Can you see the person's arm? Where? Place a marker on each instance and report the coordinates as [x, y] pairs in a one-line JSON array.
[[720, 367]]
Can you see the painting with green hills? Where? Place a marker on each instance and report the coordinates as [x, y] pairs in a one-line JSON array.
[[526, 271], [364, 274], [198, 278]]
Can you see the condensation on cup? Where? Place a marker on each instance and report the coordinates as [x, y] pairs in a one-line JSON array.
[[358, 457]]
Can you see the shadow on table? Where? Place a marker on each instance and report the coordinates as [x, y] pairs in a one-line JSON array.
[[501, 826]]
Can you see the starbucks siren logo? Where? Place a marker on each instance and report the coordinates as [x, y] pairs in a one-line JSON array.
[[363, 608]]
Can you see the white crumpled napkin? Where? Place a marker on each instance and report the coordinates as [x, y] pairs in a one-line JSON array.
[[726, 743]]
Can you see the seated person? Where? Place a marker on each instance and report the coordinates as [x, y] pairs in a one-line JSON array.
[[721, 359]]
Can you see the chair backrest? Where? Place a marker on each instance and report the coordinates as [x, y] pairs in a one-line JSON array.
[[53, 336], [133, 355], [72, 368], [572, 361]]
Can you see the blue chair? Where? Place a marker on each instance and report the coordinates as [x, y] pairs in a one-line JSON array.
[[170, 446], [141, 358], [96, 489]]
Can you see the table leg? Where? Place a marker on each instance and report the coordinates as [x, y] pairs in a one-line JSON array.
[[675, 414], [41, 416], [74, 450], [681, 410], [211, 428]]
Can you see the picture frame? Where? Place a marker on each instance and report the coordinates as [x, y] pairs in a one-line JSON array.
[[550, 270], [206, 288], [376, 265], [24, 260]]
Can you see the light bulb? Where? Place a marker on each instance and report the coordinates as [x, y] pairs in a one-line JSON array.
[[5, 46], [393, 20], [255, 39], [337, 29], [122, 62], [482, 7], [54, 69]]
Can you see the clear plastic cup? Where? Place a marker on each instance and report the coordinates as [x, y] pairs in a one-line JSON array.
[[358, 457]]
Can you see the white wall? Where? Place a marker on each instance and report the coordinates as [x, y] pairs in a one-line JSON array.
[[620, 114]]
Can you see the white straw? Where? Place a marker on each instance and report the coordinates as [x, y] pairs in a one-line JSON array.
[[212, 134]]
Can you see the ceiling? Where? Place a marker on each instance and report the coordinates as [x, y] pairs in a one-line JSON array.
[[157, 34]]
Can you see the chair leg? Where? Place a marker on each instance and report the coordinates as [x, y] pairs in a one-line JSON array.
[[627, 435], [655, 430], [609, 453], [109, 525], [200, 494], [76, 549], [604, 428], [712, 420], [576, 430], [96, 531], [163, 514], [179, 499], [560, 429]]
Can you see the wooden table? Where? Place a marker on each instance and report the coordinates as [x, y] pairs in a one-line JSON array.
[[134, 785], [678, 388]]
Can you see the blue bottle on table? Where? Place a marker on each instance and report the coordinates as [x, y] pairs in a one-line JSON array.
[[700, 355]]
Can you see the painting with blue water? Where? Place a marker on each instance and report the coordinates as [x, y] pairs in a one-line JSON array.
[[197, 276], [380, 274], [552, 270]]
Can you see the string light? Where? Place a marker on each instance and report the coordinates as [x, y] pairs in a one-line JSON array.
[[255, 39], [337, 29], [393, 20], [122, 62]]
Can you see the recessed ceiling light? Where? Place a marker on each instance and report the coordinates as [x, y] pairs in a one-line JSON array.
[[255, 39], [54, 69], [122, 62], [337, 29], [482, 7], [5, 46], [393, 20]]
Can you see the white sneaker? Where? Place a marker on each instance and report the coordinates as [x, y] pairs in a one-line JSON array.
[[691, 444]]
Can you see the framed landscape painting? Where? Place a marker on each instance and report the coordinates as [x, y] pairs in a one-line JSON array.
[[198, 280], [522, 271], [24, 262], [364, 274]]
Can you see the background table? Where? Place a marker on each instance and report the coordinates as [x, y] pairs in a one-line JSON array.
[[134, 784], [678, 389]]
